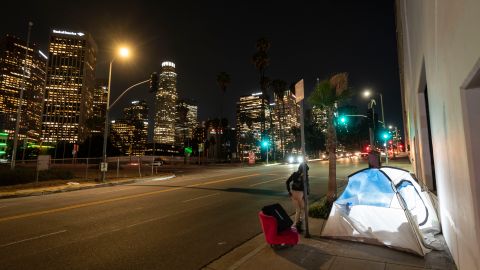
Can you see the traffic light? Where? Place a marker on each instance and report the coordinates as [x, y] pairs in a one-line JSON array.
[[343, 119], [265, 143], [385, 135], [154, 78]]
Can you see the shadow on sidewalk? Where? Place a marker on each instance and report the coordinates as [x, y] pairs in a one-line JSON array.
[[306, 257]]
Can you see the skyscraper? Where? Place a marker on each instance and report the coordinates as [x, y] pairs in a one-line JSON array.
[[70, 86], [130, 133], [186, 122], [249, 110], [165, 105], [19, 65], [122, 133], [100, 95], [136, 114], [286, 115]]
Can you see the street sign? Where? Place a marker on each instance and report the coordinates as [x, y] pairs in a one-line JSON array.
[[103, 166], [43, 162], [251, 158], [200, 147], [299, 92]]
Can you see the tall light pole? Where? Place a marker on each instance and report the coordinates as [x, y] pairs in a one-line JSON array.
[[20, 100], [123, 52], [367, 93]]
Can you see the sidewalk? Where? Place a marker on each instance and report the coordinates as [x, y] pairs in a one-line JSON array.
[[328, 254], [56, 186]]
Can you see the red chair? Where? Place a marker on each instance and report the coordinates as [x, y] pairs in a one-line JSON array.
[[288, 237]]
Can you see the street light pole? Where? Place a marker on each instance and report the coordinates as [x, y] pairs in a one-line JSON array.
[[383, 123], [20, 99], [105, 131]]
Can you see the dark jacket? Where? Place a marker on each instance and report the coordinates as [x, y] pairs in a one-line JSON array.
[[295, 181]]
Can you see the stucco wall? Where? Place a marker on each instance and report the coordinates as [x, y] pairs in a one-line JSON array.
[[441, 45]]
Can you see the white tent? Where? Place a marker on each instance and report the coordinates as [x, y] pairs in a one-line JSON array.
[[384, 206]]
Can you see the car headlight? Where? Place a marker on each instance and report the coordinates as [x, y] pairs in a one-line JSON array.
[[290, 159], [300, 159]]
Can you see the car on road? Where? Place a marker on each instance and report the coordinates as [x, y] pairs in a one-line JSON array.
[[292, 159]]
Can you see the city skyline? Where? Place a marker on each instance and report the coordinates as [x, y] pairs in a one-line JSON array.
[[371, 63]]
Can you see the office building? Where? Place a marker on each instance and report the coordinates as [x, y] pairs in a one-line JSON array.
[[439, 58], [285, 115], [136, 114], [249, 110], [122, 134], [165, 105], [96, 123], [187, 121], [70, 86], [319, 117], [21, 67]]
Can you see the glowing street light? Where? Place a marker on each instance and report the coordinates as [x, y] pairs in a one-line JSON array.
[[367, 93], [123, 52]]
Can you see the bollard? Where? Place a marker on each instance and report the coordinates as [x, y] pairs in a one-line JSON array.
[[139, 168], [118, 166], [86, 171], [153, 161]]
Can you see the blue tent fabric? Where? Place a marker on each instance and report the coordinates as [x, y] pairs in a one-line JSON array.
[[368, 187]]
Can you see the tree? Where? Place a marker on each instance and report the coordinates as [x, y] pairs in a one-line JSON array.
[[261, 62], [279, 87], [223, 80], [327, 95]]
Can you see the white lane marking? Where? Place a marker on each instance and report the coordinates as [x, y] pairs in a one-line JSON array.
[[145, 221], [163, 178], [201, 197], [32, 238], [264, 182]]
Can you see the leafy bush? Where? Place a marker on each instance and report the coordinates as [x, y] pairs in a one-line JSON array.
[[320, 209]]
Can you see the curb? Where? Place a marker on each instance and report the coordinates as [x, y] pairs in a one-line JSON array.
[[110, 184]]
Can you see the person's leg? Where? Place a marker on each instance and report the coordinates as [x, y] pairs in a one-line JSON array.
[[297, 199]]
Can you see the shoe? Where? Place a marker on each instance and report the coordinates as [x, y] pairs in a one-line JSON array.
[[299, 227]]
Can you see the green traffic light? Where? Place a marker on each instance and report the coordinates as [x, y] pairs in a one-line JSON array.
[[343, 119], [265, 143]]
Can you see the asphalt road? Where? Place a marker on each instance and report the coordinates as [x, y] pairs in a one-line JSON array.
[[181, 223]]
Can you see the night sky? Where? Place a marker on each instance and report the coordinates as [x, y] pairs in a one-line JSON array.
[[309, 40]]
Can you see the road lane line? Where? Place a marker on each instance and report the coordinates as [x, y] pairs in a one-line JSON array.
[[146, 221], [264, 182], [75, 206], [32, 238], [201, 197]]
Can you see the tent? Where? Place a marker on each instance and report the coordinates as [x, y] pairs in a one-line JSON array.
[[385, 206]]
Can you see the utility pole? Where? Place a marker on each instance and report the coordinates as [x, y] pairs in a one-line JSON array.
[[299, 91], [20, 100]]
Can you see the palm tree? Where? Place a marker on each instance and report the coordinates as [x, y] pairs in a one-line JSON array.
[[279, 87], [327, 95], [223, 80], [261, 61]]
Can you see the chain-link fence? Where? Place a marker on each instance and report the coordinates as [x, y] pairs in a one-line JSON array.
[[88, 169]]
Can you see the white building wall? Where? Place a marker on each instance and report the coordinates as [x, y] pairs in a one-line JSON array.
[[440, 42]]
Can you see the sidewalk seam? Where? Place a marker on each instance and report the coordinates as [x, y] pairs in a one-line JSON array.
[[246, 257]]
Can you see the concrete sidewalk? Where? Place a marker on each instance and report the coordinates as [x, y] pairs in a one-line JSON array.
[[323, 253]]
